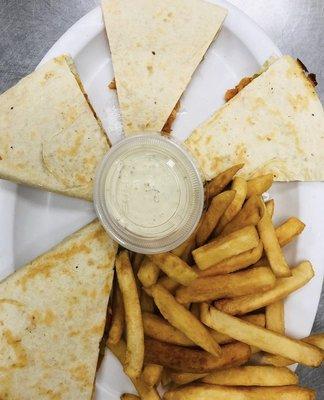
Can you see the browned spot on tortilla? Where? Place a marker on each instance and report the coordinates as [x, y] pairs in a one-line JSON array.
[[43, 266], [149, 68], [167, 128], [49, 393], [74, 333], [240, 152], [11, 301], [298, 102], [48, 75], [81, 374], [49, 317], [250, 120], [112, 84], [106, 288], [96, 329], [17, 347], [90, 262], [81, 179]]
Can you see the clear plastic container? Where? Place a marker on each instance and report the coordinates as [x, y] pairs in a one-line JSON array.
[[148, 193]]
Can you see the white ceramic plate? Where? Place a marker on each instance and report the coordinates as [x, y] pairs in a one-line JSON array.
[[32, 221]]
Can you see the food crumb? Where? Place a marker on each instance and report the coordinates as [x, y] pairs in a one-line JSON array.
[[112, 85]]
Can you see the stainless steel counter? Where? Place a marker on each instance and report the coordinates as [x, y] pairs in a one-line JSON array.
[[28, 28]]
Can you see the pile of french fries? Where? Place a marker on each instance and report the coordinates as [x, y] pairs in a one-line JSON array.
[[206, 321]]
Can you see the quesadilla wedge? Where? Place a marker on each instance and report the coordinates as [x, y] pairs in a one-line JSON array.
[[275, 124], [52, 318], [50, 137], [156, 45]]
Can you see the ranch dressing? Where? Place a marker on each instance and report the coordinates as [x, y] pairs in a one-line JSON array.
[[148, 195]]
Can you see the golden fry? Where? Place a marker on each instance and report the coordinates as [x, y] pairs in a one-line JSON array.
[[252, 376], [262, 338], [191, 360], [256, 319], [225, 247], [226, 286], [270, 207], [165, 378], [133, 317], [148, 272], [129, 396], [216, 209], [301, 274], [152, 374], [260, 184], [168, 283], [182, 319], [234, 263], [217, 185], [288, 230], [183, 378], [272, 247], [158, 328], [174, 267], [316, 340], [275, 317], [205, 391], [250, 214], [240, 187], [146, 392], [118, 317]]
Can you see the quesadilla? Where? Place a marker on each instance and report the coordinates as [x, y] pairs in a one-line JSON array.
[[50, 137], [156, 45], [52, 314], [275, 124]]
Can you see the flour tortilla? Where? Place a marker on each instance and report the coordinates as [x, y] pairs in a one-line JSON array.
[[274, 125], [50, 137], [156, 45], [52, 314]]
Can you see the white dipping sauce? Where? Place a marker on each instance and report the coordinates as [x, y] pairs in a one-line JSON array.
[[148, 192]]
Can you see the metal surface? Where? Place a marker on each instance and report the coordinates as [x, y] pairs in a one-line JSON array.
[[28, 28]]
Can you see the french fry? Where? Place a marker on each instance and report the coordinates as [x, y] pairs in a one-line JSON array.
[[234, 263], [182, 319], [260, 184], [288, 230], [151, 374], [256, 319], [286, 233], [148, 272], [225, 247], [262, 338], [183, 378], [168, 283], [227, 286], [137, 261], [184, 248], [147, 303], [133, 317], [216, 209], [301, 274], [129, 396], [191, 360], [316, 340], [204, 391], [217, 185], [252, 376], [270, 207], [275, 317], [158, 328], [146, 392], [272, 247], [250, 214], [174, 267], [240, 187], [118, 317]]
